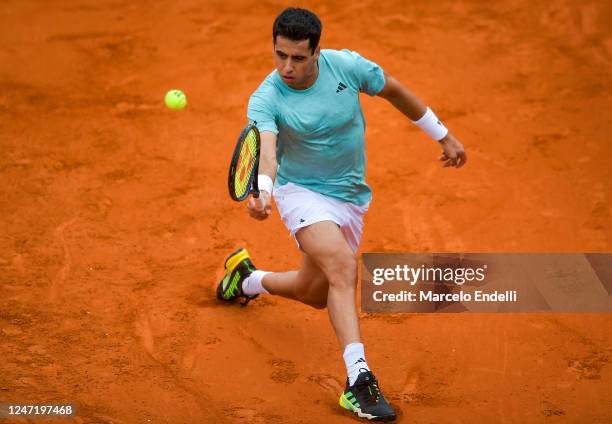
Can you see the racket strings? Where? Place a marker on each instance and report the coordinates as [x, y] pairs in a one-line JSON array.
[[246, 163]]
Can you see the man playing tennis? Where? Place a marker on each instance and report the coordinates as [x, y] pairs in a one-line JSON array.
[[313, 162]]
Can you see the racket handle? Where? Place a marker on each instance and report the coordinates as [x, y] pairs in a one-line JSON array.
[[255, 194]]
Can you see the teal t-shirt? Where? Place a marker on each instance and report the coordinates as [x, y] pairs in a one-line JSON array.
[[321, 130]]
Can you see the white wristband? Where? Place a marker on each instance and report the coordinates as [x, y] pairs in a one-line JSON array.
[[432, 125], [265, 183]]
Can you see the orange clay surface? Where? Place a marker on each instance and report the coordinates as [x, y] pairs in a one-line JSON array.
[[115, 218]]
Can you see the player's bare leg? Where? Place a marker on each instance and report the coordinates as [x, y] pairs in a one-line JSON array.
[[326, 246], [242, 280], [307, 285]]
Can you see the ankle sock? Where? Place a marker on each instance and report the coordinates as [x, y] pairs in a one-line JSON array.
[[253, 284], [354, 359]]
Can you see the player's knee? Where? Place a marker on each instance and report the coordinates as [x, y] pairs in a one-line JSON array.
[[342, 271]]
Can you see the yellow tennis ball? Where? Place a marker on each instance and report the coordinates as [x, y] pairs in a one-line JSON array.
[[175, 100]]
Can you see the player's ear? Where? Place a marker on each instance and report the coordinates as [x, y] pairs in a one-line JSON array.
[[317, 52]]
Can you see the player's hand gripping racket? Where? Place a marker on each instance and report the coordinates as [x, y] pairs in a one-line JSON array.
[[245, 165]]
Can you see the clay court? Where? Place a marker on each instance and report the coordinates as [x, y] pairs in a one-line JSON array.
[[115, 218]]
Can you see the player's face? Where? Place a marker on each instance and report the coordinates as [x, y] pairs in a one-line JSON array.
[[295, 62]]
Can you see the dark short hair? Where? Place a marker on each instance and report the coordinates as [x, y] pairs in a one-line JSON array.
[[298, 24]]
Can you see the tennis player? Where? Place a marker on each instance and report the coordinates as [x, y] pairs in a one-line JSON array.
[[313, 163]]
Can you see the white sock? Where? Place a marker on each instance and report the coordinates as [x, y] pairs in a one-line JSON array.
[[253, 284], [354, 359]]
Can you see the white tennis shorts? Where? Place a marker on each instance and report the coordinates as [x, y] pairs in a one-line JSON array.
[[300, 207]]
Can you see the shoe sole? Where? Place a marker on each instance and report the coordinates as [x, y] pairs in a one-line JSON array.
[[346, 404]]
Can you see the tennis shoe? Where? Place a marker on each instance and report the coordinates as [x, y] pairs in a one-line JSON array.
[[365, 399], [238, 267]]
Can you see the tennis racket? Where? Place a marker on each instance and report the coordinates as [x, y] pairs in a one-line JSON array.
[[244, 166]]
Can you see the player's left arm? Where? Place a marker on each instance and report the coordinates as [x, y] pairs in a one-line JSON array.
[[409, 104]]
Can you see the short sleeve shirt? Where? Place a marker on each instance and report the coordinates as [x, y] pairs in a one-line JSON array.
[[321, 130]]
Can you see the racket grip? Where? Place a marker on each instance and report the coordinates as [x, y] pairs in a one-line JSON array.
[[255, 194]]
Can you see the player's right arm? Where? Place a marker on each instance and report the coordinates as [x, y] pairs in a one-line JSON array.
[[261, 207], [262, 110]]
